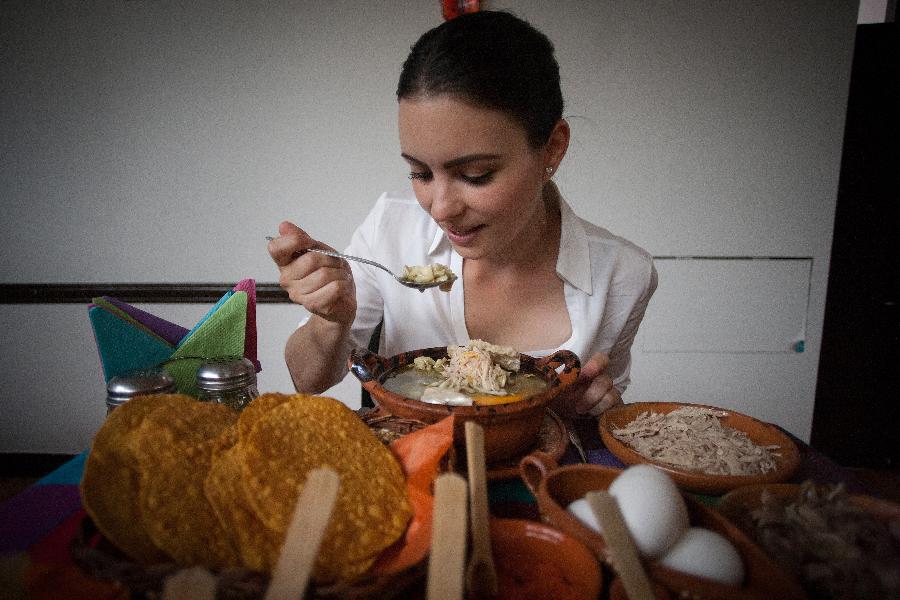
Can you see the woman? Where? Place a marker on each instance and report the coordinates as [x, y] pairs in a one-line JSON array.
[[481, 127]]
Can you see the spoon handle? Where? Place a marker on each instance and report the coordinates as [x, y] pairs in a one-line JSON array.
[[482, 578], [446, 561], [312, 514], [334, 254], [623, 552], [348, 257]]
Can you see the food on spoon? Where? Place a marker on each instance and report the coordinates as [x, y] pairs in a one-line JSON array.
[[436, 273], [477, 373], [694, 438], [834, 547]]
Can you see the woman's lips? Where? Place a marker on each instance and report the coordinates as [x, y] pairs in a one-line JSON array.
[[463, 237]]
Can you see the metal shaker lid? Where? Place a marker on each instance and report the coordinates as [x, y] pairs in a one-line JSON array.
[[139, 382], [226, 374]]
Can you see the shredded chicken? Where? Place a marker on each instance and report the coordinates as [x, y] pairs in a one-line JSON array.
[[436, 273], [476, 368], [835, 549], [694, 438]]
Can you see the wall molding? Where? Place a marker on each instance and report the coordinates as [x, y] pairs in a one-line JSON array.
[[161, 293]]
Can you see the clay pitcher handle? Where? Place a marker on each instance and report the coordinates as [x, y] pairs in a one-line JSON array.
[[534, 468], [569, 362], [366, 365]]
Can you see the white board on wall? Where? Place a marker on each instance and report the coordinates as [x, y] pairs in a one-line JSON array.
[[742, 305]]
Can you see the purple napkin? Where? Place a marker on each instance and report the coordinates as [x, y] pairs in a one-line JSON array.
[[27, 517], [170, 332]]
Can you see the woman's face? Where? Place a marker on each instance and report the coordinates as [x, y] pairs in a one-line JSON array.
[[473, 171]]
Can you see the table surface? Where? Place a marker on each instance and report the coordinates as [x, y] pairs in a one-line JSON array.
[[32, 521]]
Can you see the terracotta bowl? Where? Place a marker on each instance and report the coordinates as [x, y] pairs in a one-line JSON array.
[[762, 434], [556, 487], [509, 429], [737, 506], [534, 561]]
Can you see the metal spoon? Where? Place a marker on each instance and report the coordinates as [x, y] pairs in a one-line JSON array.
[[410, 284], [574, 438]]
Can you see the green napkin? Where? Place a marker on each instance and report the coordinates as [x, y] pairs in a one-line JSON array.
[[220, 335]]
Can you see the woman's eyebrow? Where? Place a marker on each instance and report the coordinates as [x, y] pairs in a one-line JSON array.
[[455, 162]]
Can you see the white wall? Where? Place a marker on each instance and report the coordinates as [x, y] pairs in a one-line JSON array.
[[161, 141]]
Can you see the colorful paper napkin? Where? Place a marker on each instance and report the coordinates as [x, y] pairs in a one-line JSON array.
[[129, 338]]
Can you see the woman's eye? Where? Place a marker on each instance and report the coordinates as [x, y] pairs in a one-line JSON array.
[[420, 175], [478, 179]]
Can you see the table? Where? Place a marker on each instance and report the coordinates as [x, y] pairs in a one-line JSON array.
[[37, 524]]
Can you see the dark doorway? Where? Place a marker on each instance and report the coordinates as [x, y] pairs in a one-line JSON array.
[[856, 413]]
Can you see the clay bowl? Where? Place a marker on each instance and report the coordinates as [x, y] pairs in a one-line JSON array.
[[737, 506], [556, 487], [762, 434], [737, 502], [534, 561], [509, 429]]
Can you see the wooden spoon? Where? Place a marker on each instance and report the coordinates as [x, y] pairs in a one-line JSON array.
[[304, 535], [448, 539], [481, 577], [622, 549]]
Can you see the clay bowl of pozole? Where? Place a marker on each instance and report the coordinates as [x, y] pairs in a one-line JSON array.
[[511, 420]]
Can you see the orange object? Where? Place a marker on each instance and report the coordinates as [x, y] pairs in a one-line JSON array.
[[419, 454], [454, 8], [488, 400], [534, 562]]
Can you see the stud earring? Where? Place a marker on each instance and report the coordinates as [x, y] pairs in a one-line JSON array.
[[549, 170]]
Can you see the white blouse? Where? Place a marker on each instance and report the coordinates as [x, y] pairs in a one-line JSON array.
[[608, 284]]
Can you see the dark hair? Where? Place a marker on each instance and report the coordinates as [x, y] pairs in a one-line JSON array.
[[493, 60]]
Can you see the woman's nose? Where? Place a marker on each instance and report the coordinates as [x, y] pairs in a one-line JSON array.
[[445, 202]]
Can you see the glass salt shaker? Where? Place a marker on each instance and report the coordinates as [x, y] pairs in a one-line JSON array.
[[228, 381], [140, 382]]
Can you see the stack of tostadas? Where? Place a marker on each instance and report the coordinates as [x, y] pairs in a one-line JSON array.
[[171, 479]]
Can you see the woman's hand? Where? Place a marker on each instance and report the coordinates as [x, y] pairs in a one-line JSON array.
[[593, 393], [321, 284]]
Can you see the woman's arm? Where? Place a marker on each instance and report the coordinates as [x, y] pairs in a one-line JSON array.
[[316, 353]]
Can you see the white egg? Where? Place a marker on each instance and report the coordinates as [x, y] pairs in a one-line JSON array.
[[652, 507], [705, 553], [582, 511]]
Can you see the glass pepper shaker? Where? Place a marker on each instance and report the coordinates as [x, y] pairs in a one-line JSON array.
[[228, 381], [140, 382]]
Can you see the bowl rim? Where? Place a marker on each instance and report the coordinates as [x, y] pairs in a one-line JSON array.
[[372, 381], [749, 497], [759, 432]]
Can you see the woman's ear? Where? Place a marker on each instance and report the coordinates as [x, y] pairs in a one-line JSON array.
[[556, 146]]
